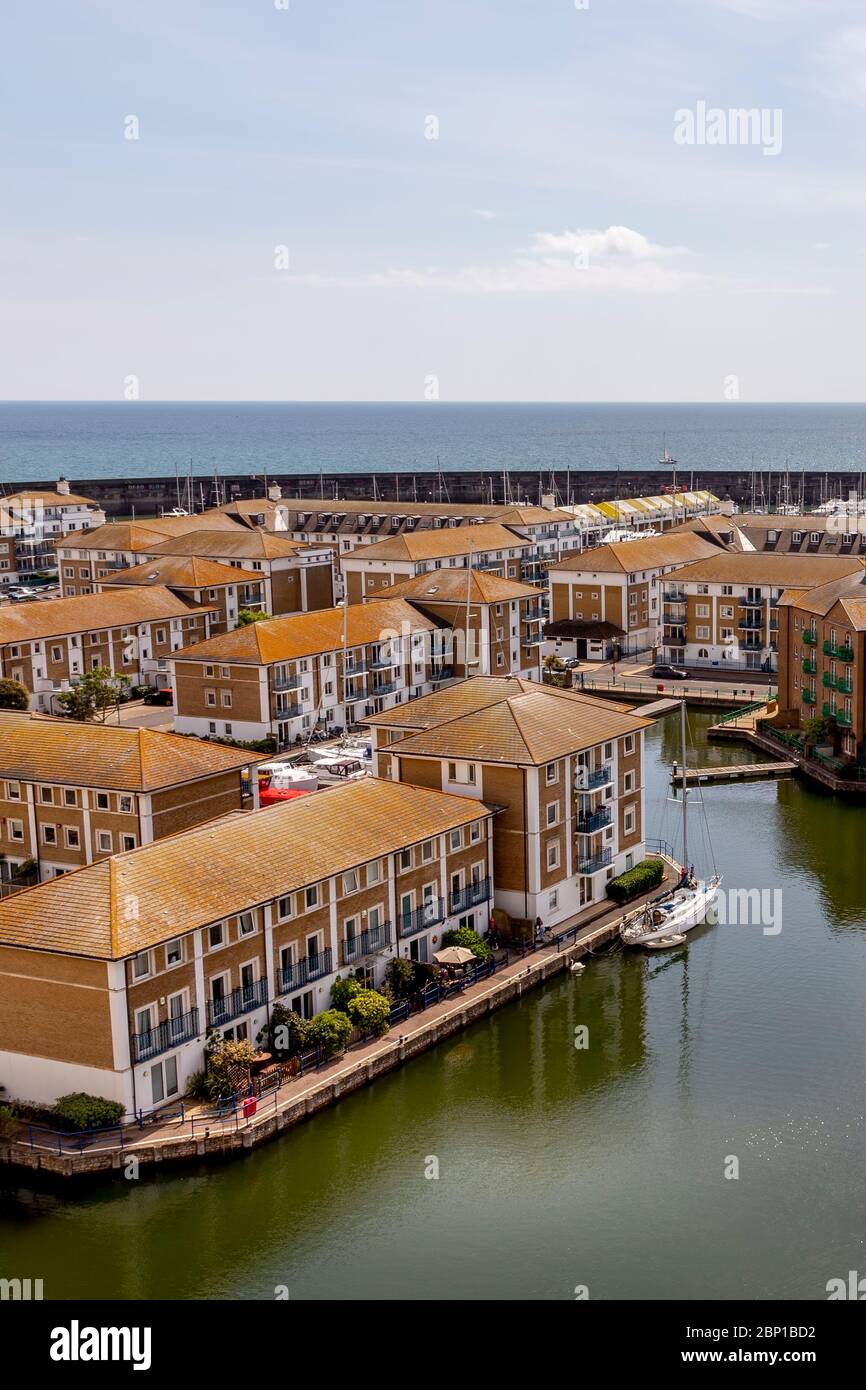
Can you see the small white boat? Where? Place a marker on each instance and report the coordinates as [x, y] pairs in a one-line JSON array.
[[339, 767], [680, 909], [283, 777], [666, 943]]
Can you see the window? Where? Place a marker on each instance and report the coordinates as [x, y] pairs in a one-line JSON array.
[[102, 802], [72, 837], [226, 698], [374, 872], [405, 859], [551, 773], [16, 830], [247, 924], [46, 794], [284, 907], [13, 791], [126, 805], [553, 855], [702, 610], [70, 797], [628, 782], [49, 834], [552, 813], [174, 952], [56, 653], [311, 896], [350, 882], [456, 839], [210, 697], [127, 842], [608, 751], [553, 900], [426, 851], [628, 743], [215, 935], [628, 821], [104, 841], [475, 832], [225, 672], [208, 670], [141, 965]]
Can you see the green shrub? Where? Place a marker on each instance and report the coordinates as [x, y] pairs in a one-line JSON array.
[[206, 1085], [400, 977], [13, 695], [332, 1030], [641, 879], [79, 1110], [288, 1032], [343, 992], [8, 1123], [370, 1011], [465, 936]]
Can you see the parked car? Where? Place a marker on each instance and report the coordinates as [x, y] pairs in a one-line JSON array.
[[571, 663], [670, 673], [162, 696], [21, 591]]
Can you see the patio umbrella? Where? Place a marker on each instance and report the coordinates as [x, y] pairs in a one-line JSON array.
[[454, 955]]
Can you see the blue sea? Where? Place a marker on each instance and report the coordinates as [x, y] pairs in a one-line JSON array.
[[41, 440]]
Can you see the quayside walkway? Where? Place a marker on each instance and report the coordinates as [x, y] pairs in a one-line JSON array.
[[195, 1133]]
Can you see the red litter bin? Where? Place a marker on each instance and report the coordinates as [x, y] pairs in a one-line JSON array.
[[249, 1107]]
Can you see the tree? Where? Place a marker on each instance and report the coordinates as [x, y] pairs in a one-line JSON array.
[[332, 1029], [370, 1011], [13, 695], [465, 936], [94, 694], [246, 616], [288, 1033], [400, 977]]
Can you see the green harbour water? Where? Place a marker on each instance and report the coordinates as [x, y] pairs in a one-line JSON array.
[[558, 1167]]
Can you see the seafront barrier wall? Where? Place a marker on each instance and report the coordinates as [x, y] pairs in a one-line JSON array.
[[149, 496]]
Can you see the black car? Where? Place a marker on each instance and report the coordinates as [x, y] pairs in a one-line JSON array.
[[158, 697], [670, 673]]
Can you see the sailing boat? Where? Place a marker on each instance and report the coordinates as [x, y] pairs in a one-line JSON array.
[[675, 912]]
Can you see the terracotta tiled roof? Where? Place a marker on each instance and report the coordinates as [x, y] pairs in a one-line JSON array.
[[180, 572], [305, 634], [27, 622], [236, 543], [49, 497], [820, 598], [34, 748], [650, 552], [131, 901], [758, 567], [449, 540], [529, 728], [132, 536], [450, 586], [855, 610]]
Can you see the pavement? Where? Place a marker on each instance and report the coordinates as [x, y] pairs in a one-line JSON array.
[[137, 715]]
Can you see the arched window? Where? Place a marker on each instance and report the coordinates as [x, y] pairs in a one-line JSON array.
[[703, 653]]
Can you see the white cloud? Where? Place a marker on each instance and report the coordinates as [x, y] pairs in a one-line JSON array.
[[485, 214], [614, 260]]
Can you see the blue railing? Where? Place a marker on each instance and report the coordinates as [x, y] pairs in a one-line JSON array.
[[165, 1035], [304, 970], [429, 914], [469, 896], [366, 942], [590, 780], [385, 688], [240, 1001], [288, 682]]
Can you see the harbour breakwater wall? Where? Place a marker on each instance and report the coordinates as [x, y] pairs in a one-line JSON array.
[[124, 497]]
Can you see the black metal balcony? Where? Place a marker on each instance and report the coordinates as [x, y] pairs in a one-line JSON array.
[[429, 914], [287, 682], [587, 825], [470, 896], [305, 970], [596, 862], [240, 1001], [164, 1036], [366, 943]]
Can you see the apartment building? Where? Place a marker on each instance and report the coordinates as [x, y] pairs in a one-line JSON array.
[[71, 794], [285, 676], [611, 595], [224, 589], [48, 646], [503, 620], [490, 547], [294, 578], [782, 535], [597, 521], [31, 522], [723, 611], [822, 659], [112, 977], [563, 770], [85, 558]]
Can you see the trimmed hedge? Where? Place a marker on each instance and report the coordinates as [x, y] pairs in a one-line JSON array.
[[82, 1111], [641, 879]]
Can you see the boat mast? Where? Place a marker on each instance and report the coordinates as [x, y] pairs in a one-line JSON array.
[[685, 785]]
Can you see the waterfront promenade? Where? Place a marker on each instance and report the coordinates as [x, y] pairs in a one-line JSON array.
[[196, 1133]]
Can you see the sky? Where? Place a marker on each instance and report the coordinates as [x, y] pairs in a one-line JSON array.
[[421, 200]]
